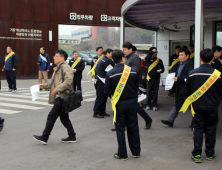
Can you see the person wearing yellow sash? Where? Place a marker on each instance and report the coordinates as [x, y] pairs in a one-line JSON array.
[[77, 65], [122, 84], [99, 51], [153, 77], [10, 65], [205, 88], [185, 66], [217, 52], [103, 66]]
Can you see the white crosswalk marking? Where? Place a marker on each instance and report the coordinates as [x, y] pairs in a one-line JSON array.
[[13, 103]]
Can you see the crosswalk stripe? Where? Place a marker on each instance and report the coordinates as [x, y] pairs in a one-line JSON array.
[[20, 96], [6, 111], [89, 100], [24, 101], [20, 106]]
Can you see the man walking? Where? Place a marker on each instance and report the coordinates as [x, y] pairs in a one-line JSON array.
[[10, 65], [77, 65], [122, 84], [58, 89], [44, 65], [185, 66]]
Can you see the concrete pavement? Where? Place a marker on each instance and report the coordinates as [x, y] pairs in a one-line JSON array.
[[162, 148]]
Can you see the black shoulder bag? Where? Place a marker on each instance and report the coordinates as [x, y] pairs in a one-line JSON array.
[[72, 100]]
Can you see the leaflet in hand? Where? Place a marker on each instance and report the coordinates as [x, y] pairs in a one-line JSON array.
[[169, 81], [102, 79], [35, 91], [108, 68]]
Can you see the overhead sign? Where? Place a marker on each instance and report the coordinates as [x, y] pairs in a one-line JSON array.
[[106, 18], [74, 16]]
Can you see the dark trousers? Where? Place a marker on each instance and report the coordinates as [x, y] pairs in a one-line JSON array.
[[205, 121], [143, 113], [101, 99], [11, 79], [174, 112], [56, 112], [77, 82], [152, 89], [126, 117]]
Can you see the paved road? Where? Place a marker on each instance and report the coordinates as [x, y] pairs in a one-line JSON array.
[[163, 148]]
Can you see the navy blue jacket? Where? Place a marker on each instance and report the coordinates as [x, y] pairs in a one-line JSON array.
[[112, 79], [172, 59], [211, 99], [43, 66], [217, 64], [11, 63], [153, 73], [101, 66], [181, 82], [79, 67]]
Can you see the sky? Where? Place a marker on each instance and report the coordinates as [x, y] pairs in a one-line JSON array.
[[67, 29]]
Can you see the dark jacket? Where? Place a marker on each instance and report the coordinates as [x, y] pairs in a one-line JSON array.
[[43, 66], [133, 60], [11, 63], [217, 64], [211, 99], [79, 67], [101, 66], [172, 59], [94, 60], [181, 82], [153, 73], [112, 79]]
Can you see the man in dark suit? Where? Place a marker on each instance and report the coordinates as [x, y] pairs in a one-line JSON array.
[[77, 65], [185, 66]]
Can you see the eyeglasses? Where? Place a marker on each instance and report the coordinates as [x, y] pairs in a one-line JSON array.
[[54, 57], [155, 52]]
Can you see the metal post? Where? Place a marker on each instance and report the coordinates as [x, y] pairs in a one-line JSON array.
[[122, 31], [198, 31]]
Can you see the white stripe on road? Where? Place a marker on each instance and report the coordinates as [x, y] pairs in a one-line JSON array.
[[20, 106], [20, 96], [24, 101], [89, 100], [5, 111]]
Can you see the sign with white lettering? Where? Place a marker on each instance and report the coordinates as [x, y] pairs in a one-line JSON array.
[[106, 18], [74, 16]]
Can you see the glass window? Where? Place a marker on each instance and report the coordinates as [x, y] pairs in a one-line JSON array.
[[82, 32], [86, 32], [219, 33], [78, 33], [74, 34]]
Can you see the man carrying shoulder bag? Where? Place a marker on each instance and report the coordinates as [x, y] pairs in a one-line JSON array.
[[59, 88]]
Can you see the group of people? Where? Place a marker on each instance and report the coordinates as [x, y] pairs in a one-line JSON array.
[[115, 75]]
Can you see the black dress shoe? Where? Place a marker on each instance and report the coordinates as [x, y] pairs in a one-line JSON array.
[[148, 124], [41, 139], [105, 114], [98, 116], [1, 124], [114, 129], [166, 122]]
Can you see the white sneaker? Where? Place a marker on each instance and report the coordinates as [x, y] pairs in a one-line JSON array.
[[147, 107], [13, 91], [155, 108], [9, 90]]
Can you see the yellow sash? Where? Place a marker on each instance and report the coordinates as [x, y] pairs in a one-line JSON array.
[[174, 63], [151, 67], [119, 89], [8, 56], [76, 62], [192, 56], [92, 71], [199, 92]]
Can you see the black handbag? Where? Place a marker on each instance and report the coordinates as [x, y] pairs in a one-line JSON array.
[[72, 100]]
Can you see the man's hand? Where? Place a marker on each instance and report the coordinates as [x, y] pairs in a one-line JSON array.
[[154, 50], [2, 69], [74, 70], [38, 63], [93, 77], [13, 69], [41, 86], [48, 70], [54, 92], [175, 78], [159, 70]]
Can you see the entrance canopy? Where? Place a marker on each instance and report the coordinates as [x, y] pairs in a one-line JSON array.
[[168, 14]]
